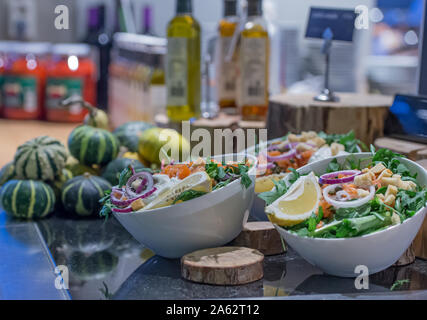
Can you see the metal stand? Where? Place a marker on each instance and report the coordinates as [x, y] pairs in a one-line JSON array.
[[327, 94]]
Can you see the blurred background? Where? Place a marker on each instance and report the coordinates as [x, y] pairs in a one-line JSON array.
[[381, 59]]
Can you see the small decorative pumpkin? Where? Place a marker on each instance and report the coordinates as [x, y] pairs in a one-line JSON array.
[[114, 168], [41, 158], [129, 133], [91, 145], [7, 172], [81, 194], [27, 199]]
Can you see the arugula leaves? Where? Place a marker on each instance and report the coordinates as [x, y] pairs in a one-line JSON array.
[[188, 195], [348, 140], [223, 175], [279, 190]]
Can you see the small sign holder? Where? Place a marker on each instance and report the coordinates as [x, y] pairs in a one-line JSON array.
[[330, 24]]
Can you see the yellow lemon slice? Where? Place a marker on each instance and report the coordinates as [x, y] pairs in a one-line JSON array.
[[297, 204], [199, 181], [264, 184]]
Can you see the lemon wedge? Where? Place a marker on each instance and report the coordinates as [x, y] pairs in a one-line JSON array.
[[199, 181], [297, 204], [264, 184]]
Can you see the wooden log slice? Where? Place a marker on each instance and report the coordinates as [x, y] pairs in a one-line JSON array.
[[407, 257], [223, 266], [363, 113], [260, 235]]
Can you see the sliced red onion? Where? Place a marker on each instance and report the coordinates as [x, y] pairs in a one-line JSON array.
[[141, 186], [264, 166], [330, 178], [146, 176], [290, 154], [124, 203], [347, 204]]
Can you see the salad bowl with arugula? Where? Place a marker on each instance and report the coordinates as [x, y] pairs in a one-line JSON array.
[[186, 206], [278, 157], [350, 210]]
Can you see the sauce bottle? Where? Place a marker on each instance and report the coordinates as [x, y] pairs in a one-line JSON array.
[[254, 64], [23, 88], [226, 70], [183, 64], [71, 72]]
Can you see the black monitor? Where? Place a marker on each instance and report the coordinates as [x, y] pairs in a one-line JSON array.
[[340, 21], [407, 118]]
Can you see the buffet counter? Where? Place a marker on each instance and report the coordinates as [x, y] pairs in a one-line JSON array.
[[105, 262]]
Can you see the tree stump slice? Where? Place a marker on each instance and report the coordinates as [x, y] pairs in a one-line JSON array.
[[412, 150], [407, 257], [223, 266], [262, 236], [363, 113]]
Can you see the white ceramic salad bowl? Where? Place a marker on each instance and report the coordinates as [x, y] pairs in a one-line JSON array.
[[377, 251], [257, 209], [209, 221]]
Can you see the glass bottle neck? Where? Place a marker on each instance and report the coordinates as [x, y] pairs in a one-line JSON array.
[[254, 8], [230, 8], [184, 7]]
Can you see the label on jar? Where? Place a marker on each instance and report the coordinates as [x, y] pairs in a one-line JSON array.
[[58, 89], [226, 71], [20, 93], [176, 72], [253, 71]]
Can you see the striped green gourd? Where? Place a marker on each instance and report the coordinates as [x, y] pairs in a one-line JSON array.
[[80, 196], [60, 181], [129, 133], [41, 158], [112, 171], [92, 145], [7, 172], [27, 199]]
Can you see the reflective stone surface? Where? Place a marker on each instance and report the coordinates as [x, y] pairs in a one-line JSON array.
[[105, 262]]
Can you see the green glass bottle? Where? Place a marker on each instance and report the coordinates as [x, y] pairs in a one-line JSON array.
[[183, 64]]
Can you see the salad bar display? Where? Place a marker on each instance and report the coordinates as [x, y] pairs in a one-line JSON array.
[[335, 206]]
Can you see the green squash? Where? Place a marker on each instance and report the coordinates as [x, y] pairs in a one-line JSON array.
[[80, 196], [97, 118], [91, 145], [129, 133], [7, 172], [77, 169], [41, 158], [114, 168], [60, 181], [27, 199]]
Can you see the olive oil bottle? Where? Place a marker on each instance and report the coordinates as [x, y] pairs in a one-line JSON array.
[[183, 64], [226, 71], [253, 64]]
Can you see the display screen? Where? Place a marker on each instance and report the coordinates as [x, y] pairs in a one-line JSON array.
[[408, 116], [340, 21]]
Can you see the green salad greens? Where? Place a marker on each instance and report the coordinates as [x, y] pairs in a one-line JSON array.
[[374, 215]]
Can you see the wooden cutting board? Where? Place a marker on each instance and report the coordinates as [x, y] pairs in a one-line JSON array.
[[223, 266]]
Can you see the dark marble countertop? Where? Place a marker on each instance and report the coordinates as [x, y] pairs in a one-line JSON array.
[[105, 262]]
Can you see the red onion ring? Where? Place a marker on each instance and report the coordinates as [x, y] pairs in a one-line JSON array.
[[347, 204], [290, 154], [330, 178], [149, 183], [125, 203]]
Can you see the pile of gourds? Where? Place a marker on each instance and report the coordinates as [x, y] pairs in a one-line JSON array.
[[44, 175]]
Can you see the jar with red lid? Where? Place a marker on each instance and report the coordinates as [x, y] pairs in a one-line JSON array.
[[71, 72], [24, 81]]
